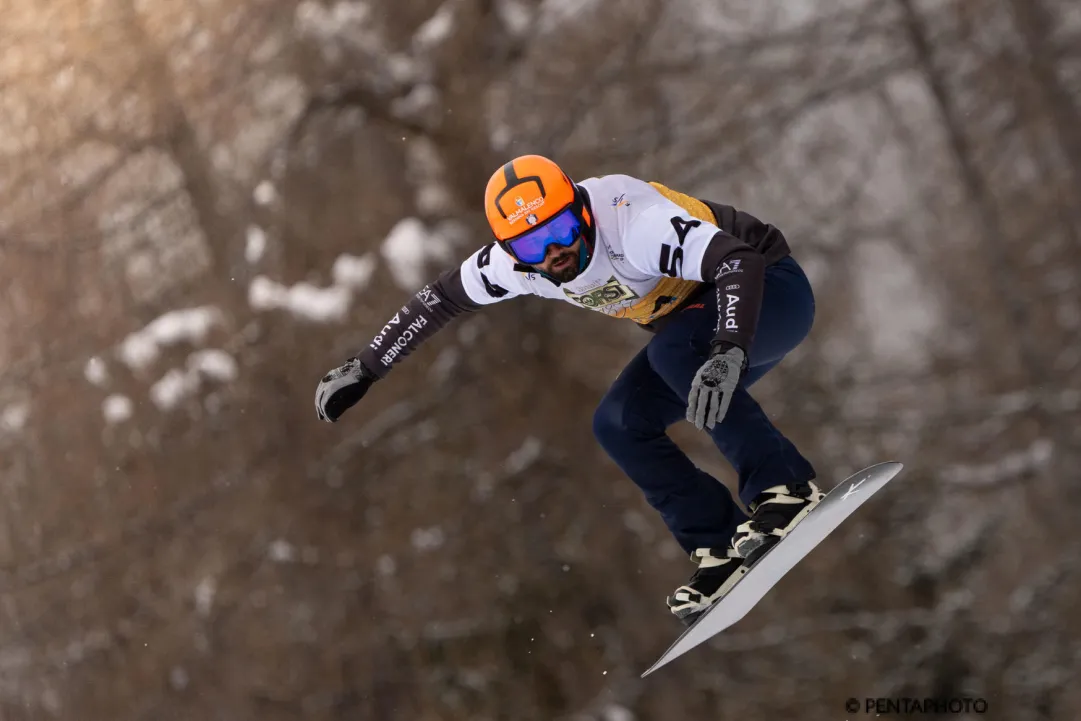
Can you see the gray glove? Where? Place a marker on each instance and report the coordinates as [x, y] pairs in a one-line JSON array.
[[712, 387], [340, 389]]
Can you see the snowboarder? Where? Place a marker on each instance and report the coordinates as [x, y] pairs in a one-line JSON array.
[[725, 301]]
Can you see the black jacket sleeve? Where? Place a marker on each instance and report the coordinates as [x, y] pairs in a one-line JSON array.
[[738, 272], [427, 312]]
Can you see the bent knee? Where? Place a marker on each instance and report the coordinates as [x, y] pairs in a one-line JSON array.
[[608, 426], [617, 422]]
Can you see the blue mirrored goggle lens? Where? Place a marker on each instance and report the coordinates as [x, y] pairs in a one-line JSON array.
[[562, 230]]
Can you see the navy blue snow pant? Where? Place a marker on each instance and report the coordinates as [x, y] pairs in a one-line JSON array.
[[651, 394]]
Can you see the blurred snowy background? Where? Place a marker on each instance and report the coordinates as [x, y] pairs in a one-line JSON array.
[[206, 205]]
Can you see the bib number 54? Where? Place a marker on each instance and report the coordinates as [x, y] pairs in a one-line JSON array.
[[671, 261]]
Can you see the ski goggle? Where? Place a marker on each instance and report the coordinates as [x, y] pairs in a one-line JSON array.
[[562, 229]]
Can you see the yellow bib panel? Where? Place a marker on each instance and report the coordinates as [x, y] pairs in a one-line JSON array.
[[669, 292]]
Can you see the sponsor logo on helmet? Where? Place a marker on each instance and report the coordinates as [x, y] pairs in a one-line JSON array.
[[525, 210], [621, 201], [519, 202]]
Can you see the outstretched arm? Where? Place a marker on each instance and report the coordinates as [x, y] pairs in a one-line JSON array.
[[484, 278], [426, 313]]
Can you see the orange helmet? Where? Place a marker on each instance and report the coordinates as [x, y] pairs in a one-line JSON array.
[[529, 194]]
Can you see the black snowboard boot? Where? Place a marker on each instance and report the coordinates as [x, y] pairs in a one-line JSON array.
[[774, 513], [718, 570]]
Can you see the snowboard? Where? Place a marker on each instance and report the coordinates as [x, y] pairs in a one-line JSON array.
[[831, 511]]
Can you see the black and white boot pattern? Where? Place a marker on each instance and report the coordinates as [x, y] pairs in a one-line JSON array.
[[774, 513], [718, 570]]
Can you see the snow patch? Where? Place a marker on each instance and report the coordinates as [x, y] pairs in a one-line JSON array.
[[434, 198], [428, 175], [14, 416], [469, 331], [423, 160], [174, 386], [436, 29], [308, 301], [303, 300], [343, 30], [177, 384], [204, 596], [281, 551], [526, 455], [401, 69], [615, 712], [451, 233], [96, 372], [406, 249], [64, 80], [265, 193], [328, 22], [214, 363], [638, 524], [255, 245], [553, 13], [143, 347], [515, 16], [427, 539], [353, 272], [117, 408], [50, 701], [421, 98], [265, 294], [386, 566], [500, 136], [178, 678]]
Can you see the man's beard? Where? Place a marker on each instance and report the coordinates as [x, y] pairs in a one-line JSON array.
[[569, 273], [571, 270]]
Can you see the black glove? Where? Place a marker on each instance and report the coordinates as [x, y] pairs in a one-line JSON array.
[[341, 389]]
